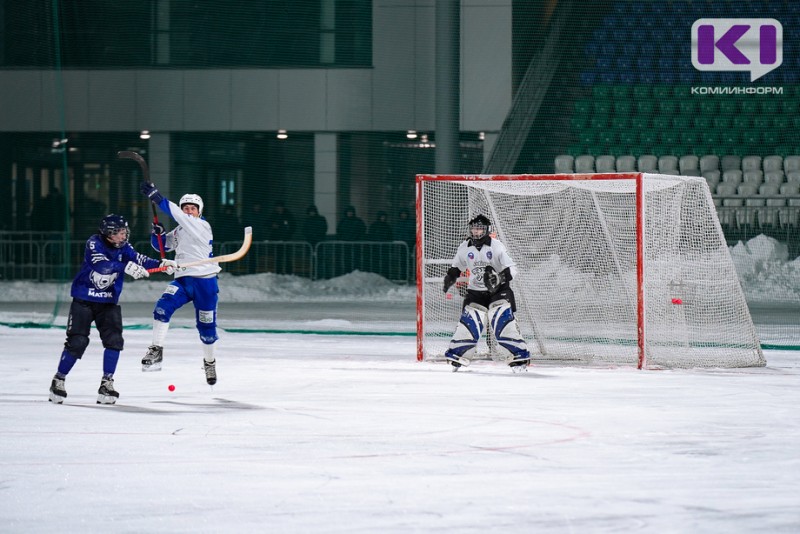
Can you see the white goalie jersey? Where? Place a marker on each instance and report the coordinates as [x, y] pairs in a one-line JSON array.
[[469, 259]]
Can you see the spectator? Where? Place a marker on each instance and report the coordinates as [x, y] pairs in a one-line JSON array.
[[281, 223], [228, 226], [351, 227], [380, 229], [381, 255], [315, 226], [406, 230], [257, 220]]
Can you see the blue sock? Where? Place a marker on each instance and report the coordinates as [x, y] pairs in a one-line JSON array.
[[110, 359], [66, 363]]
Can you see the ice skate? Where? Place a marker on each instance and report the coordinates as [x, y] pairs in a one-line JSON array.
[[107, 394], [211, 371], [57, 391], [520, 363], [457, 362], [152, 360]]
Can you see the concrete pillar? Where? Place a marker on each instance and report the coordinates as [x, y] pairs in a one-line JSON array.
[[325, 177], [448, 71]]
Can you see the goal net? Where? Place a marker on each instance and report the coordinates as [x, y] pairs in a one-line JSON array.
[[621, 269]]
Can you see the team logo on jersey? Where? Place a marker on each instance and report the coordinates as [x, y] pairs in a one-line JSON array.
[[103, 281], [471, 255], [488, 254]]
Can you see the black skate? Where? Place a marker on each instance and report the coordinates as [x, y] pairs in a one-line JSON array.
[[57, 391], [456, 361], [211, 372], [152, 360], [520, 363], [107, 394]]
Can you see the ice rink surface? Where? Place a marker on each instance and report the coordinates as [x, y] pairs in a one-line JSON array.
[[350, 434]]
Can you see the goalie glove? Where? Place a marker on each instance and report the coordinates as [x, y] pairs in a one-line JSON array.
[[494, 280], [451, 277], [169, 266], [135, 270]]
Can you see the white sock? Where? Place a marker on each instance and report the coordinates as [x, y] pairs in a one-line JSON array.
[[159, 333], [208, 352]]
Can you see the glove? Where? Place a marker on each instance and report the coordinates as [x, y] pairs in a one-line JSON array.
[[150, 190], [451, 277], [135, 270], [169, 265], [493, 280], [158, 229]]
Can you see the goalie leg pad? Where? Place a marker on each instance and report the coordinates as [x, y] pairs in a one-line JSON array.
[[510, 344], [469, 330]]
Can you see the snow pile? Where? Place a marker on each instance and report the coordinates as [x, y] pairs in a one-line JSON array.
[[266, 287], [765, 271]]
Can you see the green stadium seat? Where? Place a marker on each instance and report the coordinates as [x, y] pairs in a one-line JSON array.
[[686, 107], [728, 106], [781, 122], [741, 121], [661, 92], [667, 106], [622, 107], [681, 91], [640, 122], [708, 106], [790, 105], [620, 91], [721, 122], [681, 122], [583, 106], [620, 122], [702, 122], [601, 91], [640, 92], [750, 106], [645, 107], [602, 106], [770, 107], [661, 123], [761, 122]]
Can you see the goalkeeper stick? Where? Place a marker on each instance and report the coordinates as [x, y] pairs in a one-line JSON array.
[[233, 256], [127, 154]]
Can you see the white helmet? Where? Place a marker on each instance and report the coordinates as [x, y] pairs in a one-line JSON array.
[[192, 198]]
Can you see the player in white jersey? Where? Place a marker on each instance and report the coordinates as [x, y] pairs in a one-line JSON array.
[[191, 240], [488, 293]]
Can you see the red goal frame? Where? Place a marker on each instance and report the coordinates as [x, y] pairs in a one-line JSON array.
[[639, 221]]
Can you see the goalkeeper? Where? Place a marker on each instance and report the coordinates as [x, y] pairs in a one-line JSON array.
[[488, 293]]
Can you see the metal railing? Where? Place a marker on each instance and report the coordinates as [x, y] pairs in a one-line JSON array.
[[26, 256]]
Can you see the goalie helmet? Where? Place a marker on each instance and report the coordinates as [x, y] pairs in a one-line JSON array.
[[192, 198], [479, 228], [110, 225]]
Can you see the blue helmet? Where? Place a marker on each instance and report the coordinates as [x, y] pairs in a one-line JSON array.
[[110, 225]]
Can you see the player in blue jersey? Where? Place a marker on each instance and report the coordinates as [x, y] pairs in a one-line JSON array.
[[191, 240], [95, 298]]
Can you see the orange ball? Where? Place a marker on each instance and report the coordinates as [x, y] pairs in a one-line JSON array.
[[171, 387]]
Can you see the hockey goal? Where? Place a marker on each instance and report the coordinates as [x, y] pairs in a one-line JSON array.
[[619, 269]]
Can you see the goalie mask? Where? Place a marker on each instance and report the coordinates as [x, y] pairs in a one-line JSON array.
[[479, 228]]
